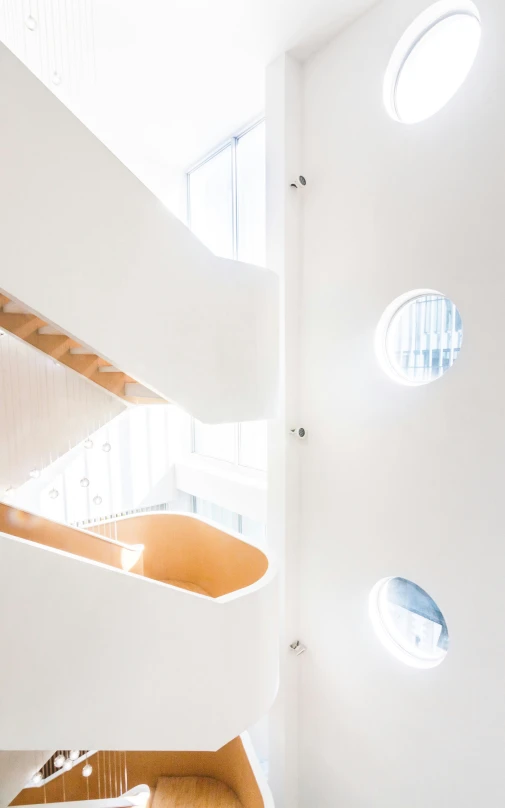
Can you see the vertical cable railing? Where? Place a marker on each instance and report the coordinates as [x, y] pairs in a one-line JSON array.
[[106, 772]]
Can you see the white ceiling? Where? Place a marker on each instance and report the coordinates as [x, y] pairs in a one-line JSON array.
[[162, 83]]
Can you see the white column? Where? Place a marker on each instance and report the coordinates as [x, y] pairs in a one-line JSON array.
[[283, 116]]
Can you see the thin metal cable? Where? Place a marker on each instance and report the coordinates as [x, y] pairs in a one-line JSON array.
[[93, 49], [98, 768], [14, 431], [53, 48], [62, 67]]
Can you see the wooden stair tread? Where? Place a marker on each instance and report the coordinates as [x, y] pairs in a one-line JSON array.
[[19, 321], [193, 792]]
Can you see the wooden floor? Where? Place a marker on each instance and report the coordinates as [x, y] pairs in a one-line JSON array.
[[193, 792], [191, 587]]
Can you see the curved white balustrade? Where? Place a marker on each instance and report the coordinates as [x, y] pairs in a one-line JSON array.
[[236, 766], [87, 247], [99, 658]]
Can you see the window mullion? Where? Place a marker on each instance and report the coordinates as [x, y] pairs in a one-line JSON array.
[[237, 444], [193, 435], [188, 200], [234, 196]]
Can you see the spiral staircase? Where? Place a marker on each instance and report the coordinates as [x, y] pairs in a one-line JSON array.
[[164, 638]]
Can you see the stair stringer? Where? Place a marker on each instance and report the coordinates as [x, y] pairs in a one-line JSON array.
[[88, 248]]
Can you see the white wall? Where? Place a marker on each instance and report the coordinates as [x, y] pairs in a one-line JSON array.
[[89, 247], [97, 658], [398, 480]]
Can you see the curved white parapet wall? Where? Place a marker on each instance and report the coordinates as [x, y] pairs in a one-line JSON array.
[[90, 249], [259, 775], [97, 658], [230, 770], [137, 797]]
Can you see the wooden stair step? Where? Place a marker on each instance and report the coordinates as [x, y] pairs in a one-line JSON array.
[[193, 792], [86, 365], [113, 382], [16, 319], [21, 325], [56, 345], [109, 369]]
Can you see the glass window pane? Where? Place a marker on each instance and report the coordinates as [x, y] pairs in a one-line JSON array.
[[254, 531], [183, 502], [424, 338], [253, 445], [210, 199], [215, 440], [215, 513], [409, 622], [251, 193]]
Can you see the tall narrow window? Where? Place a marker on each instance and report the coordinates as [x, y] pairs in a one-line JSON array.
[[211, 203], [251, 196], [227, 201], [253, 445], [216, 440]]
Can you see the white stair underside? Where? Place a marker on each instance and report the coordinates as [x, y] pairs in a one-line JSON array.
[[15, 308], [136, 390], [82, 350], [50, 330]]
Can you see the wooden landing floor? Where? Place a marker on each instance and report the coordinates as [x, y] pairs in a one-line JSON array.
[[193, 792]]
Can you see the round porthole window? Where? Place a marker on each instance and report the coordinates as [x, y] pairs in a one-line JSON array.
[[432, 60], [419, 337], [409, 623]]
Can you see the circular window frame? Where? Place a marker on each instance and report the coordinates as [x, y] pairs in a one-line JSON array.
[[386, 639], [421, 25], [381, 337]]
